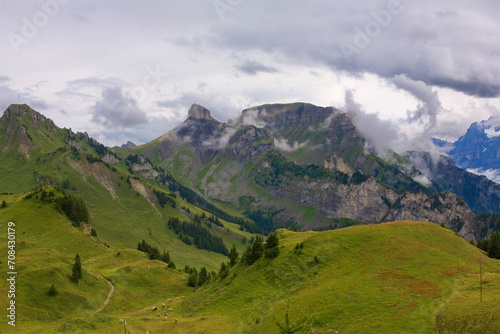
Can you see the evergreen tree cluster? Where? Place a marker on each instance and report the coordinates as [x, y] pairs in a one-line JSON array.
[[74, 208], [267, 221], [258, 248], [197, 279], [253, 251], [215, 220], [164, 199], [271, 249], [491, 245], [154, 252], [194, 233], [100, 149]]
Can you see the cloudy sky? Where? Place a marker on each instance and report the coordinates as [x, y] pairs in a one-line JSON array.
[[129, 70]]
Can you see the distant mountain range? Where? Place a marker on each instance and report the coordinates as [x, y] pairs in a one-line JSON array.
[[309, 166], [282, 165], [205, 187], [478, 150]]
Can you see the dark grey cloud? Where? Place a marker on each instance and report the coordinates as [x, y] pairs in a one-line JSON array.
[[429, 106], [446, 43], [252, 67], [117, 111]]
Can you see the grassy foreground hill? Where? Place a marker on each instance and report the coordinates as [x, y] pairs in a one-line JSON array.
[[389, 278], [397, 277]]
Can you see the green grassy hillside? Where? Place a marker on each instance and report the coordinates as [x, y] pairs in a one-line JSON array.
[[46, 245], [122, 205], [390, 278]]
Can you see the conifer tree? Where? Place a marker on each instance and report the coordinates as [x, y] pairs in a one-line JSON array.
[[193, 278], [271, 247], [202, 276], [257, 248], [494, 245], [223, 271], [77, 269], [233, 256], [52, 291]]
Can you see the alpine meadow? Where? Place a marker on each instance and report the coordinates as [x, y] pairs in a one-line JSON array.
[[250, 167]]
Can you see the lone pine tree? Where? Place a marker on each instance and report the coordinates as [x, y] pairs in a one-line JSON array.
[[77, 269]]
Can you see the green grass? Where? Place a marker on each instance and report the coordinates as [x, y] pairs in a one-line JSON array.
[[121, 215], [388, 278]]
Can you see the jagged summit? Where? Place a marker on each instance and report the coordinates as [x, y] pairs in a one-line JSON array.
[[129, 144], [199, 112], [20, 110]]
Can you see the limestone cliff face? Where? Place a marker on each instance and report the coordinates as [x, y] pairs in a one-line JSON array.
[[334, 162], [248, 142], [144, 168], [199, 112], [371, 203]]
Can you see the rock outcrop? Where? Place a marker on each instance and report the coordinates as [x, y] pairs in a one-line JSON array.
[[199, 112]]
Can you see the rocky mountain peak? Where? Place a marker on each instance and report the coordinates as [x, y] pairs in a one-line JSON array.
[[199, 112], [129, 144], [36, 119]]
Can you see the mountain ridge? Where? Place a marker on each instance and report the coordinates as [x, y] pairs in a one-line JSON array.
[[307, 164], [306, 135], [478, 150]]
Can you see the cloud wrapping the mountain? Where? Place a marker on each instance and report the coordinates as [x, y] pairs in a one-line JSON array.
[[492, 174], [115, 110], [282, 145], [380, 134], [251, 117], [429, 107]]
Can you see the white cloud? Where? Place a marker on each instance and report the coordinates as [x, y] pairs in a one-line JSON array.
[[253, 57], [282, 145], [492, 174]]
